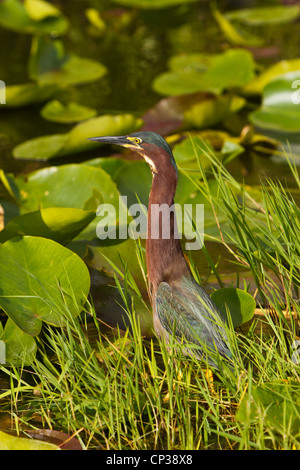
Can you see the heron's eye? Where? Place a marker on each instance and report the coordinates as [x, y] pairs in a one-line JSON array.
[[135, 140]]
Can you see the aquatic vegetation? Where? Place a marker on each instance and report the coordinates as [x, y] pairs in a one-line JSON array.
[[225, 97]]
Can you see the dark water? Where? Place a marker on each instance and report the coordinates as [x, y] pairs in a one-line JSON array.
[[133, 54]]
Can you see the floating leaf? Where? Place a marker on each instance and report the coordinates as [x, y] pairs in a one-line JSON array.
[[27, 94], [186, 75], [280, 107], [50, 64], [100, 126], [193, 111], [110, 306], [233, 68], [9, 442], [283, 67], [185, 152], [212, 110], [195, 73], [56, 111], [96, 21], [116, 256], [235, 35], [152, 4], [20, 348], [238, 303], [277, 402], [166, 116], [75, 141], [75, 71], [58, 224], [33, 17], [41, 148], [180, 83], [30, 293], [74, 185], [63, 440], [198, 62], [109, 164], [129, 185], [39, 9], [261, 16]]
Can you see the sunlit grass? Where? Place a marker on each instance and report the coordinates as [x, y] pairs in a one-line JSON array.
[[125, 392]]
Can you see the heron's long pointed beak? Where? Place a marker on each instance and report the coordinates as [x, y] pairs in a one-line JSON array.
[[116, 140]]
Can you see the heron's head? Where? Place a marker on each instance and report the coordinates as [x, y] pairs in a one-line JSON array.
[[152, 146]]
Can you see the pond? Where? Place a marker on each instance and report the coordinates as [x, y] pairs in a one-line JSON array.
[[220, 83], [135, 48]]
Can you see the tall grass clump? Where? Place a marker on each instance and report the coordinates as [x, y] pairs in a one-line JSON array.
[[262, 233]]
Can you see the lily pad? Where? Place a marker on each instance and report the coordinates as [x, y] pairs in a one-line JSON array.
[[121, 124], [166, 116], [20, 348], [197, 73], [9, 442], [129, 185], [39, 9], [98, 26], [56, 111], [185, 155], [280, 109], [277, 402], [33, 17], [28, 93], [261, 16], [75, 186], [30, 293], [212, 110], [49, 63], [256, 86], [152, 4], [238, 303], [110, 306], [58, 224], [62, 439], [193, 111], [235, 34], [109, 164], [198, 62], [75, 141], [184, 152], [41, 148], [114, 257], [186, 75], [235, 67]]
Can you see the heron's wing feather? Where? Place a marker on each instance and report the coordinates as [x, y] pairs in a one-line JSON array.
[[188, 312]]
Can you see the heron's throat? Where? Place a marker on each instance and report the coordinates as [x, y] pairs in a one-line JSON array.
[[165, 260]]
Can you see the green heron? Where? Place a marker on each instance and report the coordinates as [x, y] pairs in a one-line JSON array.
[[181, 307]]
